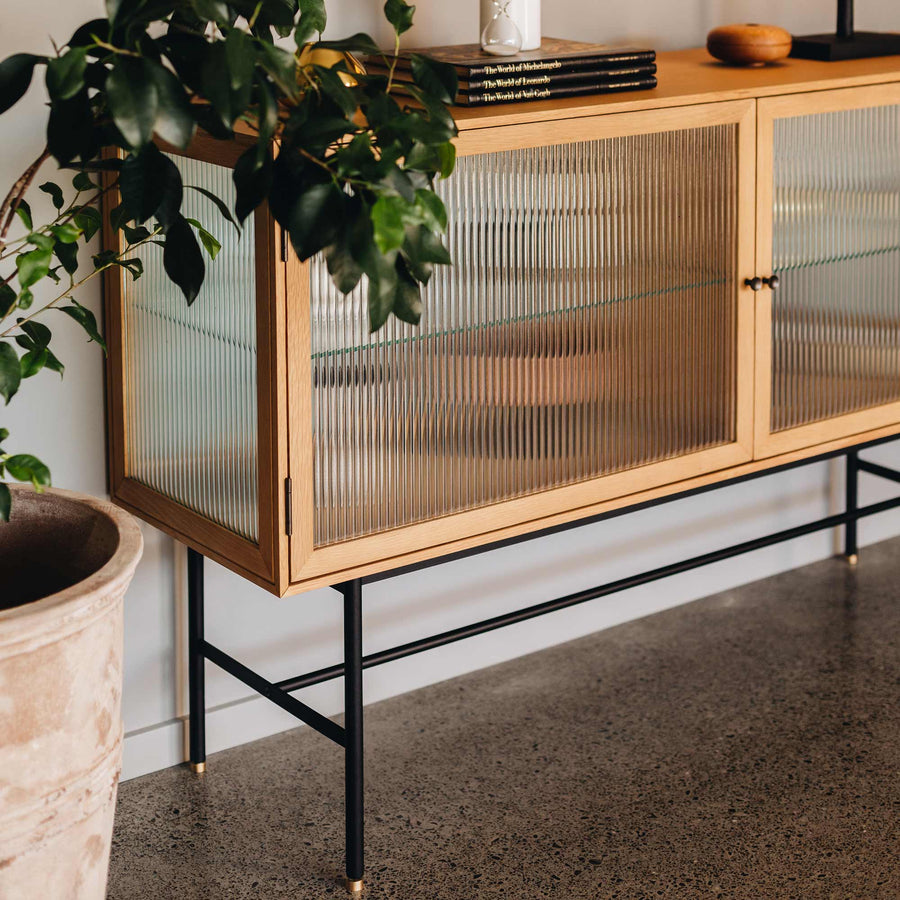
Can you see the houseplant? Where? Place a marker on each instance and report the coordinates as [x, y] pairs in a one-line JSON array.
[[356, 160]]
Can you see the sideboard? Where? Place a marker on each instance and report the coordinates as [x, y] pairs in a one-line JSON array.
[[653, 293]]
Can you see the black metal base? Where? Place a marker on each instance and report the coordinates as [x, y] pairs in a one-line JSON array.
[[832, 48], [350, 736]]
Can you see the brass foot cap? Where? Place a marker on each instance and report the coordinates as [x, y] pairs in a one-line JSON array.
[[198, 768], [354, 885], [852, 559]]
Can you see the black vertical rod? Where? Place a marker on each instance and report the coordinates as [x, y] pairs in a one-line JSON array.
[[852, 500], [845, 19], [353, 725], [196, 663]]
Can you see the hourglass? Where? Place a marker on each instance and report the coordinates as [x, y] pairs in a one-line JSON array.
[[501, 35]]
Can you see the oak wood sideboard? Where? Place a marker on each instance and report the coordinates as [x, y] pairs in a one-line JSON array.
[[654, 293]]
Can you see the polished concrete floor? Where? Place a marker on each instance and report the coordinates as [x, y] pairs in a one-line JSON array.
[[743, 746]]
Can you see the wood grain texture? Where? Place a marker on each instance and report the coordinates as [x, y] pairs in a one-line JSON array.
[[688, 77], [749, 44], [357, 570], [694, 91]]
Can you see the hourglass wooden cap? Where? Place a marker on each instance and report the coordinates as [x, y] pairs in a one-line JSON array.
[[749, 45]]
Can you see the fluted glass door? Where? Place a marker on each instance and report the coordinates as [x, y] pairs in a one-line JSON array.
[[588, 331], [830, 217]]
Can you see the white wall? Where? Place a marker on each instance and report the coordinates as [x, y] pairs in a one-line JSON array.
[[63, 423]]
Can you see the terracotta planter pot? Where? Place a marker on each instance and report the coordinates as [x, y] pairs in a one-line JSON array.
[[65, 563]]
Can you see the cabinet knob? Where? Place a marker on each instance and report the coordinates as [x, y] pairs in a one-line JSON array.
[[755, 283], [772, 281]]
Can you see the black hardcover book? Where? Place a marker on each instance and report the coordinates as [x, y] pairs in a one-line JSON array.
[[541, 79], [554, 55], [527, 94]]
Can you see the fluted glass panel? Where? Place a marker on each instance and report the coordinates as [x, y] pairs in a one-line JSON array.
[[836, 250], [190, 403], [587, 327]]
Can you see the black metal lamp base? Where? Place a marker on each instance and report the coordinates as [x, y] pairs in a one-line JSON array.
[[831, 47]]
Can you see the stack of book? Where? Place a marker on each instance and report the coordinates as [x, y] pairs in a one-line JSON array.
[[558, 69]]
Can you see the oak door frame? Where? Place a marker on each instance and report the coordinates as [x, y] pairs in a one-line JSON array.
[[256, 560], [309, 561], [766, 442]]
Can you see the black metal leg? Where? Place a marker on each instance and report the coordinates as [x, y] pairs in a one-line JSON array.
[[353, 726], [851, 550], [196, 664]]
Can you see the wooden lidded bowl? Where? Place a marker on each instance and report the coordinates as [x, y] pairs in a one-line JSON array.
[[749, 45]]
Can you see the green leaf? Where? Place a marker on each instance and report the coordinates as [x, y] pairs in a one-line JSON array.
[[227, 77], [72, 131], [267, 118], [10, 371], [240, 58], [135, 235], [432, 210], [183, 260], [4, 434], [252, 180], [212, 11], [382, 274], [312, 20], [16, 72], [36, 334], [407, 300], [281, 66], [44, 241], [53, 363], [88, 220], [25, 467], [55, 192], [399, 14], [134, 265], [85, 318], [5, 502], [67, 233], [23, 211], [174, 120], [133, 99], [150, 184], [220, 204], [82, 182], [447, 152], [7, 300], [65, 74], [437, 78], [33, 361], [335, 89], [210, 244], [25, 299], [388, 215], [345, 271], [315, 217], [67, 254], [357, 43], [32, 266]]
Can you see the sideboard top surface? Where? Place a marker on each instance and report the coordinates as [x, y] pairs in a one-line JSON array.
[[692, 76]]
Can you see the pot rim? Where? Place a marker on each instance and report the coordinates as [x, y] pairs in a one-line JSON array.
[[90, 595]]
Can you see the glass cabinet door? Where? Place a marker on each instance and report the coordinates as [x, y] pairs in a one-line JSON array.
[[829, 229], [592, 339]]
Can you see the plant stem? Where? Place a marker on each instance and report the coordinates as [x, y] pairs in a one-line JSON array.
[[77, 284], [393, 62], [17, 192]]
